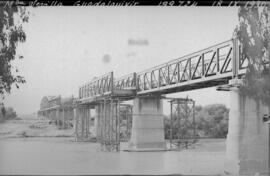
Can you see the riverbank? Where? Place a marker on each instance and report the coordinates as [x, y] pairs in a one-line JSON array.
[[32, 126]]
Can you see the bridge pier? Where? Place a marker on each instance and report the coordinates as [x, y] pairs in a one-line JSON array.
[[247, 145], [147, 125]]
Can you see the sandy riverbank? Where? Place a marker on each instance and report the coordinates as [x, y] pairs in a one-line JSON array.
[[32, 126]]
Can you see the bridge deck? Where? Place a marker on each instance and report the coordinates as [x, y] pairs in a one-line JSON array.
[[117, 94]]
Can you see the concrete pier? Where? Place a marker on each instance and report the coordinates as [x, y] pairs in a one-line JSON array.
[[147, 126], [247, 146]]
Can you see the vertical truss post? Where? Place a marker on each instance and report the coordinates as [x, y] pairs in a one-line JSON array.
[[135, 80], [159, 78], [144, 81], [168, 74], [151, 80], [203, 66], [189, 69], [112, 83], [217, 53]]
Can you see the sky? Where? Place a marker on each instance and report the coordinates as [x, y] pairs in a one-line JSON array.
[[68, 46]]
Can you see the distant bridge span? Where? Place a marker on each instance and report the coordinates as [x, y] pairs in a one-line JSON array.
[[209, 67]]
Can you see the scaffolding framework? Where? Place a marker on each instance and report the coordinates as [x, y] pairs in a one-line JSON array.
[[82, 123], [109, 125], [125, 113], [182, 122], [114, 124]]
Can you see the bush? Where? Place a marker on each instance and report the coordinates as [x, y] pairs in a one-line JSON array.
[[7, 114]]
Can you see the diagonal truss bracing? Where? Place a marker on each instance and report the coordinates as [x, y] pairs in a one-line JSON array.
[[212, 66], [216, 63]]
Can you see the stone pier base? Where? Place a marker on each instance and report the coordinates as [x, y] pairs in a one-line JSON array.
[[247, 150], [147, 125]]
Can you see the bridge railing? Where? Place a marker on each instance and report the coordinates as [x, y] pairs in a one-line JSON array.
[[99, 86], [126, 82], [221, 59]]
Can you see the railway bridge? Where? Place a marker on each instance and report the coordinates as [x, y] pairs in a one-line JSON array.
[[219, 65]]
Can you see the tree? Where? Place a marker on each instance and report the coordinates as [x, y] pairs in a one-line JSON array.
[[253, 33], [11, 33], [212, 120], [8, 114], [3, 110]]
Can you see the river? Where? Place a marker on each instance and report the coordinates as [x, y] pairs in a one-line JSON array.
[[63, 156]]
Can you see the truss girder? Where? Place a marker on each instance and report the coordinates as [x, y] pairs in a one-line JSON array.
[[218, 62]]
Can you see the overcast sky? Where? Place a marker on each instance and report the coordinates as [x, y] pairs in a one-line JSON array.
[[65, 46]]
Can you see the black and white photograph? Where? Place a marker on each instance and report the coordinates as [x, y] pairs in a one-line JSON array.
[[124, 88]]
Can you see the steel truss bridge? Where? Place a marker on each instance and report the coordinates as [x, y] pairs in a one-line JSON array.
[[209, 67]]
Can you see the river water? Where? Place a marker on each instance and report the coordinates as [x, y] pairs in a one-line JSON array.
[[63, 156]]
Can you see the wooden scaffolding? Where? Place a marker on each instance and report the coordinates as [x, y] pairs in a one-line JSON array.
[[182, 122], [114, 123], [82, 118], [108, 132]]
